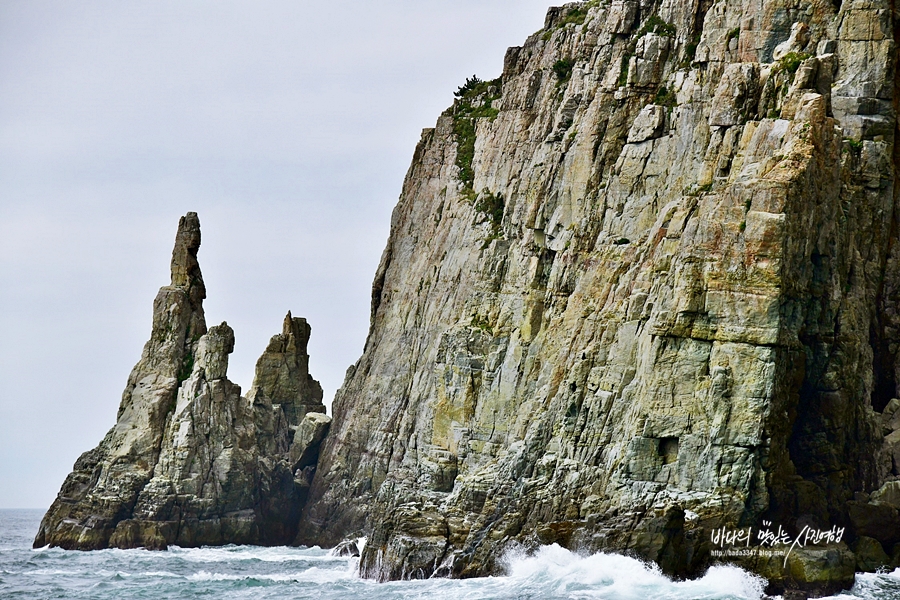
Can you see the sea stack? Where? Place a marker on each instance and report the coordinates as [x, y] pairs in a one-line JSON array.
[[190, 461], [642, 287]]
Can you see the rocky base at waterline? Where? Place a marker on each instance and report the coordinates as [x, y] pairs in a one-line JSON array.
[[190, 461]]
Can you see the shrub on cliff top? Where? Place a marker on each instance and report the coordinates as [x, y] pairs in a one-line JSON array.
[[474, 100]]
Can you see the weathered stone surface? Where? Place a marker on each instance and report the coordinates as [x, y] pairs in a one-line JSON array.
[[282, 372], [307, 438], [585, 329], [648, 124], [795, 43], [737, 95], [190, 461], [213, 483], [870, 556], [875, 520], [644, 286], [811, 571], [888, 494]]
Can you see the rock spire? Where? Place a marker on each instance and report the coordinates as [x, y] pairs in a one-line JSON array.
[[190, 461]]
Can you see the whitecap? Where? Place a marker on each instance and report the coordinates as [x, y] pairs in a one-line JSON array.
[[555, 571], [738, 583], [312, 575], [105, 573], [51, 572], [209, 554], [160, 574]]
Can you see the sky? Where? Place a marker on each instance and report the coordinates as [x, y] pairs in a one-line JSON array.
[[288, 126]]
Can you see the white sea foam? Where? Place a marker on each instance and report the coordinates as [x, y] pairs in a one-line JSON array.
[[360, 545], [160, 574], [50, 572], [251, 553], [311, 575], [241, 572], [558, 572]]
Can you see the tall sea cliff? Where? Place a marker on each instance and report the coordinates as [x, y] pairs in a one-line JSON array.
[[643, 287]]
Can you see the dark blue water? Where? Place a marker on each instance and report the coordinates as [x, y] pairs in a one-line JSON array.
[[292, 573]]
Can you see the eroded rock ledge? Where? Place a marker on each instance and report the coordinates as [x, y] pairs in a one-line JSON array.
[[190, 461]]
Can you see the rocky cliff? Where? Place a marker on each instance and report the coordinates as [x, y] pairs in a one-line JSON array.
[[643, 286], [190, 461]]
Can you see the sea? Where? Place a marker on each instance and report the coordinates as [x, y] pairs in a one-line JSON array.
[[285, 573]]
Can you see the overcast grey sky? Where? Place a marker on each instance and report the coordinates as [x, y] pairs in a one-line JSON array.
[[287, 125]]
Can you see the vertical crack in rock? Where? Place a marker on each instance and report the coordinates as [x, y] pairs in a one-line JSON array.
[[190, 461]]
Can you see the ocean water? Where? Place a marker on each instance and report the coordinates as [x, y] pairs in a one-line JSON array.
[[284, 573]]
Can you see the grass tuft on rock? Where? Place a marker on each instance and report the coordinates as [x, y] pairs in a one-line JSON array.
[[790, 62], [665, 97]]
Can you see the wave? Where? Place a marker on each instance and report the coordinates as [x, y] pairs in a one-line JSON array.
[[145, 574], [204, 554], [51, 572], [279, 554], [312, 575], [558, 572], [551, 572]]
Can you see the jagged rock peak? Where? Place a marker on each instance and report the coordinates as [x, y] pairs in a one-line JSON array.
[[189, 461], [185, 267], [106, 481], [282, 372]]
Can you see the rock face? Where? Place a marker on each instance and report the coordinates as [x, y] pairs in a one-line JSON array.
[[282, 373], [190, 461], [643, 286]]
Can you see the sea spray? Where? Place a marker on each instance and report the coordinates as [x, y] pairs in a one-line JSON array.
[[553, 571]]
